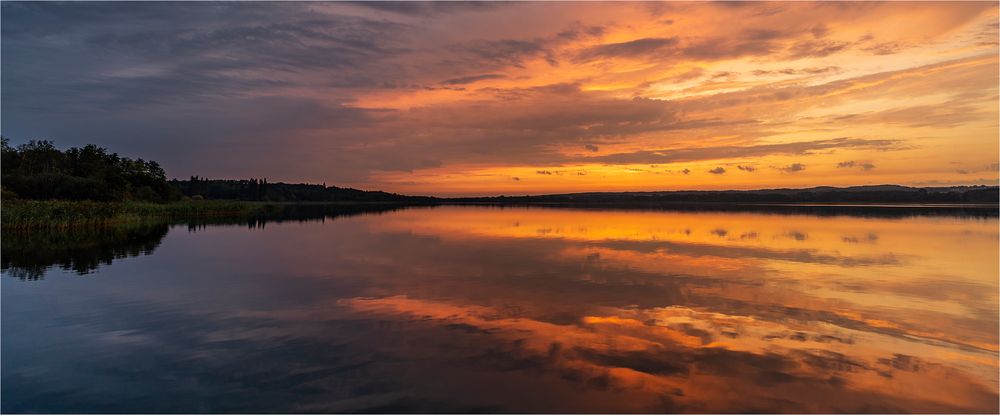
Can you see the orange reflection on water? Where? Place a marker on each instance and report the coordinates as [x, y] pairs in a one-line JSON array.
[[723, 311]]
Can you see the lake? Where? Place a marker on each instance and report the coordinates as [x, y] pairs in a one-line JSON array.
[[517, 309]]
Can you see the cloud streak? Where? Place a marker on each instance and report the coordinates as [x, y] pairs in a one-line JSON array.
[[727, 152]]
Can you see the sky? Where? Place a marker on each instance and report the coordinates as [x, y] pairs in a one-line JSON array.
[[516, 98]]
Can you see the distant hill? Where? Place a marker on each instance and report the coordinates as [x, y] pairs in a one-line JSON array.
[[259, 189], [821, 194]]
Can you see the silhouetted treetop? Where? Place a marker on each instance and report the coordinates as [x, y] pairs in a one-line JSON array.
[[38, 170]]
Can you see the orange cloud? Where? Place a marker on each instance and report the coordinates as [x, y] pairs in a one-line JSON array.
[[458, 99]]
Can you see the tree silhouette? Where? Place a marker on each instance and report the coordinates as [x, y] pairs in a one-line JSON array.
[[38, 170]]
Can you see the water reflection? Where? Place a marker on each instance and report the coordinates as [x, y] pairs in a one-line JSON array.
[[544, 310], [28, 254], [278, 213]]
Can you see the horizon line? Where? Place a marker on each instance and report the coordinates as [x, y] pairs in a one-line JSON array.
[[612, 191]]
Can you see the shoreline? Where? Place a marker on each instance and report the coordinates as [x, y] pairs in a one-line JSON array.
[[60, 214], [26, 215], [760, 204]]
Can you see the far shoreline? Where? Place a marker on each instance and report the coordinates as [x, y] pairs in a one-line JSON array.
[[30, 215], [775, 204]]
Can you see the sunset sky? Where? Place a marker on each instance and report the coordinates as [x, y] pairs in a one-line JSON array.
[[517, 98]]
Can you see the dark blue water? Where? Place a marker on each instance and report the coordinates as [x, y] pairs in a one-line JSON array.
[[472, 309]]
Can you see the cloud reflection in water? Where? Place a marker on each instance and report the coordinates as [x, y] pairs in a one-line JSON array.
[[540, 310]]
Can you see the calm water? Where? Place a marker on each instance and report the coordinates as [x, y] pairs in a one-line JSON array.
[[520, 309]]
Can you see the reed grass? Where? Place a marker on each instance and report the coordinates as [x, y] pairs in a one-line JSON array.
[[54, 214]]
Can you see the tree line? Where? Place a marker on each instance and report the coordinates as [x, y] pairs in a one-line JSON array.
[[203, 188], [38, 170], [262, 190]]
